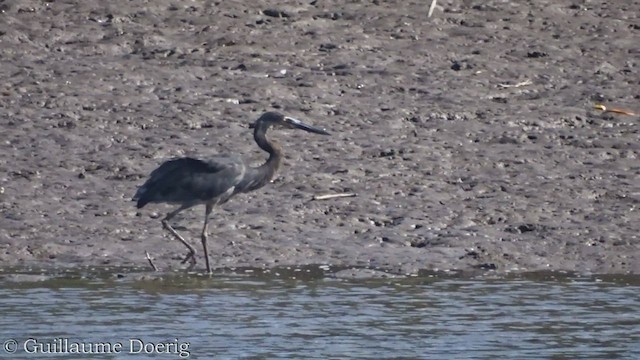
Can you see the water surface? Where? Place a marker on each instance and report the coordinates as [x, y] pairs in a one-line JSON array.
[[303, 314]]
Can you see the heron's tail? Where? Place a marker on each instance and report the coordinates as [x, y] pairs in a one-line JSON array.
[[140, 198]]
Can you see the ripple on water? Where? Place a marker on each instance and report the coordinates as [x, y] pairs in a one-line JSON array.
[[241, 316]]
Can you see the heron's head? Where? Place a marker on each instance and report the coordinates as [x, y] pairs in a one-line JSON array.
[[277, 120]]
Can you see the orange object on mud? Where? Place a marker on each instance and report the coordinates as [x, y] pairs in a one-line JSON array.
[[613, 110]]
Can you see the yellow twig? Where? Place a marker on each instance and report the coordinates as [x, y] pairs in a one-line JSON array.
[[613, 110]]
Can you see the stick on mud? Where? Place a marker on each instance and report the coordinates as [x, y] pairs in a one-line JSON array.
[[153, 266], [432, 7], [332, 196], [522, 83]]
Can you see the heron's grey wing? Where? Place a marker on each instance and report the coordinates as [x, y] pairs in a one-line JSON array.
[[192, 181]]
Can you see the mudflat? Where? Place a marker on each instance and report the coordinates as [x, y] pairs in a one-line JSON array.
[[469, 138]]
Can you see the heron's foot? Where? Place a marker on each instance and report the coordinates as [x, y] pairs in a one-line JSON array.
[[191, 256], [191, 266]]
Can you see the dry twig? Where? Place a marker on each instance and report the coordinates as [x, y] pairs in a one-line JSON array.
[[332, 196], [522, 83], [432, 7], [151, 261]]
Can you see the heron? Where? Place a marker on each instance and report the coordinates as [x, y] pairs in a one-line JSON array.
[[188, 182]]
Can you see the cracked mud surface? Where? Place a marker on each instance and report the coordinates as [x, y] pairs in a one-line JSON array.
[[452, 169]]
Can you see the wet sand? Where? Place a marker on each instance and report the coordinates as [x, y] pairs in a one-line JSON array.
[[469, 138]]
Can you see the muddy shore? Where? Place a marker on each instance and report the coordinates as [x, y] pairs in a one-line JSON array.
[[469, 138]]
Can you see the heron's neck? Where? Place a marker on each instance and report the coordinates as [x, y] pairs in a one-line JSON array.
[[272, 165]]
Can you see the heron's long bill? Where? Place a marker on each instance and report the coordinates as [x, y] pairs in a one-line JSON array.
[[302, 126]]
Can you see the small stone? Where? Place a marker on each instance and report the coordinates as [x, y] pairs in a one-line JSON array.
[[536, 54], [275, 13]]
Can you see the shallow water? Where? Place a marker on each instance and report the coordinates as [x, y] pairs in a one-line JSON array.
[[300, 315]]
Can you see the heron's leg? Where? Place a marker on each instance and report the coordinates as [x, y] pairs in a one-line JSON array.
[[204, 235], [166, 225]]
